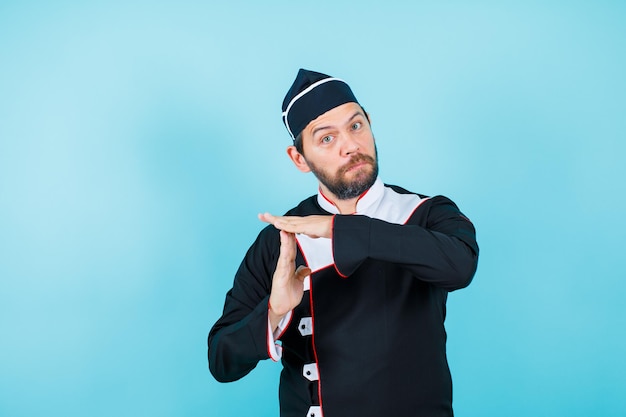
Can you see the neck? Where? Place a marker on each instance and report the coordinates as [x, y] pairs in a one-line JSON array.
[[344, 206]]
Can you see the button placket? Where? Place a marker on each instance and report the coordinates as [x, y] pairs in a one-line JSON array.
[[309, 371], [305, 327]]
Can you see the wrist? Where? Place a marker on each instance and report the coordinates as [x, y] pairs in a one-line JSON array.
[[278, 312], [273, 316]]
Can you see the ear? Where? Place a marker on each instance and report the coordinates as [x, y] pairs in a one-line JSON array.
[[298, 159]]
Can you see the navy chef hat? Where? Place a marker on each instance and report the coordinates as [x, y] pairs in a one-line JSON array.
[[311, 95]]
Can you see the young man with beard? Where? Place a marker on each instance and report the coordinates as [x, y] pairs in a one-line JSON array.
[[349, 288]]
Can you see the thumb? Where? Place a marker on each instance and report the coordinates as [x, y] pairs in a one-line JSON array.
[[302, 272]]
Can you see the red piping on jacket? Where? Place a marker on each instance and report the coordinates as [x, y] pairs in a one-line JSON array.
[[319, 377], [357, 200], [415, 209]]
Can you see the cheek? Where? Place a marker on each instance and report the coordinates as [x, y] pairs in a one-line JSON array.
[[368, 143]]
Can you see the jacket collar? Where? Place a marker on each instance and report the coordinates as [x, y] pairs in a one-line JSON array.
[[366, 204]]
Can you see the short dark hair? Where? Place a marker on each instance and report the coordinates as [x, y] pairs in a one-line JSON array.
[[298, 144]]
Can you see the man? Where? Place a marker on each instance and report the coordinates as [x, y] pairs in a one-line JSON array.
[[359, 324]]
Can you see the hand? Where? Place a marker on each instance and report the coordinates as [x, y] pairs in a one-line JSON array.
[[287, 282], [312, 226]]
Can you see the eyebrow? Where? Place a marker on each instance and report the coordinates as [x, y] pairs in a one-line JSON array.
[[357, 113]]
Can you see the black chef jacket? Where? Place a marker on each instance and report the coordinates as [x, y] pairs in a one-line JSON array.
[[368, 338]]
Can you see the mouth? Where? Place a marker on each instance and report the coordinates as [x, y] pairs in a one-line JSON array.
[[355, 166], [358, 162]]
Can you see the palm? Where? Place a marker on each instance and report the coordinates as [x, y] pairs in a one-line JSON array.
[[287, 282]]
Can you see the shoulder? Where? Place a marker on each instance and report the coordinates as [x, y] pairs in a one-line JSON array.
[[437, 201], [403, 191], [440, 213], [429, 208]]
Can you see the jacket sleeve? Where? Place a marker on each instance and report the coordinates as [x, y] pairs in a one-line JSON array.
[[437, 244], [239, 339]]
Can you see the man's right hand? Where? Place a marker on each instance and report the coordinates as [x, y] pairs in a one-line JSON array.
[[287, 282]]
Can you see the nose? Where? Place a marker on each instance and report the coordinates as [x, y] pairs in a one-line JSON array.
[[349, 145]]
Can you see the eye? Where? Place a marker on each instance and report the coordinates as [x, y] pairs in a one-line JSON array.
[[356, 125], [326, 139]]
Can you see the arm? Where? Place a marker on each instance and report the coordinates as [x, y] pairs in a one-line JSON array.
[[441, 249], [237, 341], [252, 312], [437, 244]]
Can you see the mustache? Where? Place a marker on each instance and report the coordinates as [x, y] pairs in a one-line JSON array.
[[357, 159]]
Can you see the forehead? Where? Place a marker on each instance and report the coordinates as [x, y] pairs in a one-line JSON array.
[[334, 117]]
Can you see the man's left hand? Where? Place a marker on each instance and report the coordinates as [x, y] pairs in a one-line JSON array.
[[312, 226]]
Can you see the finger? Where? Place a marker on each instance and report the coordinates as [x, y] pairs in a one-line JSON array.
[[287, 255], [286, 227], [289, 224], [280, 222], [267, 217]]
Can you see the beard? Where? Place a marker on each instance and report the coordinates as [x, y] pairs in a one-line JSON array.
[[341, 186]]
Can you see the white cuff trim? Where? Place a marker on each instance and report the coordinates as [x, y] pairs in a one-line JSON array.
[[274, 349]]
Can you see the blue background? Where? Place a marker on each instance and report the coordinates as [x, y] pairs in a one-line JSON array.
[[138, 141]]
